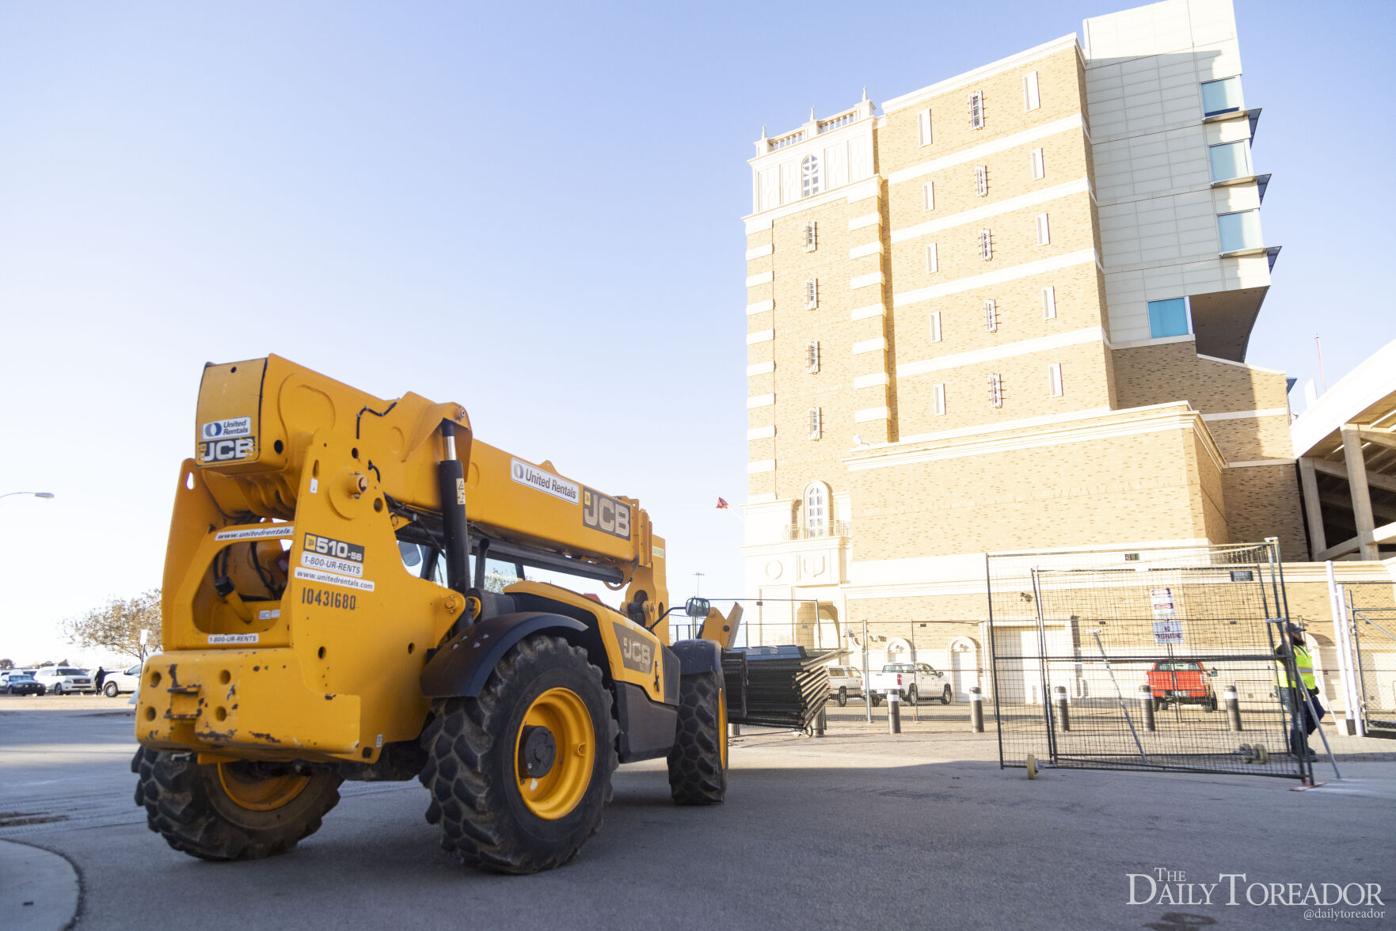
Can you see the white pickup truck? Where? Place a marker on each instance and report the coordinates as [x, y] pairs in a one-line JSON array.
[[912, 682]]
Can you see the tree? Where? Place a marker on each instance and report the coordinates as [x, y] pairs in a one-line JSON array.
[[7, 664], [117, 625]]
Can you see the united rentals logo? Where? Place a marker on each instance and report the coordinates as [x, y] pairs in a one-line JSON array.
[[544, 481], [227, 440]]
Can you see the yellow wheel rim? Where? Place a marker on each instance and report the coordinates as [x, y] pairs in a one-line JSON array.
[[722, 726], [555, 793], [259, 793]]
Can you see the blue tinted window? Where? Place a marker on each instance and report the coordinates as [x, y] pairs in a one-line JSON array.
[[1222, 96], [1168, 318], [1239, 230], [1229, 161]]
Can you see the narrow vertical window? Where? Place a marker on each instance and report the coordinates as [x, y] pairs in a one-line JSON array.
[[991, 316], [1031, 99], [816, 509], [812, 356], [1044, 232], [1049, 303], [976, 110], [986, 245], [815, 423], [811, 236], [812, 294], [935, 326], [809, 176], [1054, 379], [995, 390], [928, 193], [981, 180], [1039, 167], [932, 258], [923, 120], [940, 398]]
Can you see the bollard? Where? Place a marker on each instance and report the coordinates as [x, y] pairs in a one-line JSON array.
[[1146, 703], [820, 722], [894, 712], [1233, 708], [1062, 715], [976, 710]]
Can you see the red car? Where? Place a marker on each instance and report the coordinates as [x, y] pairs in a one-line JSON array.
[[1184, 681]]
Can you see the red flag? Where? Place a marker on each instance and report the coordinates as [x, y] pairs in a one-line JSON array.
[[722, 504]]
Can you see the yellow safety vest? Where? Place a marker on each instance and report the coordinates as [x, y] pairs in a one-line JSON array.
[[1304, 663]]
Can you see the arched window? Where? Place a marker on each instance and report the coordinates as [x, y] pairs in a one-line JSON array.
[[817, 510], [809, 176]]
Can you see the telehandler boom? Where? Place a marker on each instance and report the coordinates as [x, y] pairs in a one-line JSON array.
[[326, 617]]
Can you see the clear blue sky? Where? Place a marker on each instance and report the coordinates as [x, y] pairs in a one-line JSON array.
[[533, 211]]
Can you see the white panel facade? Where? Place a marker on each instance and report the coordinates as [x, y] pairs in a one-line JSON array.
[[1157, 205]]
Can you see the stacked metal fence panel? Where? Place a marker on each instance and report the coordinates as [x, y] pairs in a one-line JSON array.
[[1164, 660], [782, 686]]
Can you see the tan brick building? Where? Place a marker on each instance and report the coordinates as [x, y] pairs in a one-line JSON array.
[[1010, 311]]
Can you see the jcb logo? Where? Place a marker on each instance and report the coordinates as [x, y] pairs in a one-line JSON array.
[[604, 513], [636, 652], [227, 450]]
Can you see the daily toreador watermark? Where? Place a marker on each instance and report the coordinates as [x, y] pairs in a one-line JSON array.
[[1163, 886]]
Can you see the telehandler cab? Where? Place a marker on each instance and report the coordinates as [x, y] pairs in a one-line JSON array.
[[326, 618]]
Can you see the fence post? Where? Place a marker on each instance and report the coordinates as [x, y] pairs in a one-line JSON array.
[[1233, 708], [976, 710], [894, 712], [1146, 705], [867, 674], [1062, 714]]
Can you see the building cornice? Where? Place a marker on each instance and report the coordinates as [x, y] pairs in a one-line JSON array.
[[1135, 421]]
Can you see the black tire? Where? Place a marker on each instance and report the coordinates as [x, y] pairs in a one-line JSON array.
[[471, 765], [876, 699], [186, 804], [110, 690], [1160, 704], [946, 696], [842, 697], [1211, 703], [697, 775], [912, 696]]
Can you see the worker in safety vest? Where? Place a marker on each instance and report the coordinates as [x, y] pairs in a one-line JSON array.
[[1303, 720]]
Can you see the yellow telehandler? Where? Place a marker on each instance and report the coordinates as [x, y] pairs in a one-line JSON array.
[[327, 617]]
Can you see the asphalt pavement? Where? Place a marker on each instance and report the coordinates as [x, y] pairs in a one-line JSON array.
[[857, 830]]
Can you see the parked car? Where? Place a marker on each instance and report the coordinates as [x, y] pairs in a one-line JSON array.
[[64, 680], [23, 684], [911, 682], [6, 673], [1182, 681], [121, 680], [845, 682]]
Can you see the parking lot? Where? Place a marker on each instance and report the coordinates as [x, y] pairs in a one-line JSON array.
[[857, 829]]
